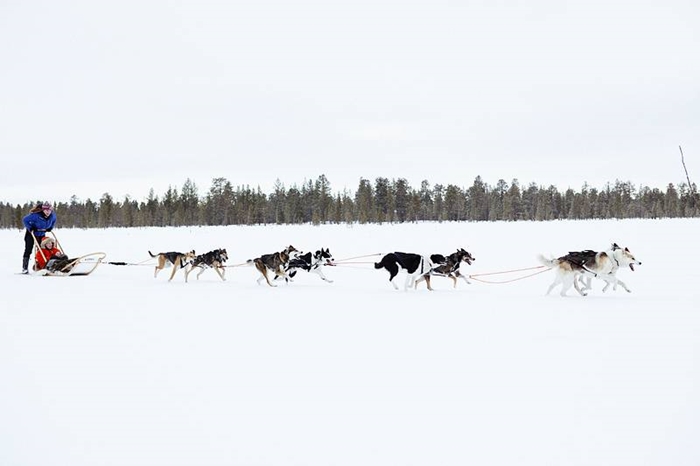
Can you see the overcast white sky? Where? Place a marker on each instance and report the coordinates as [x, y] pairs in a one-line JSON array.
[[122, 96]]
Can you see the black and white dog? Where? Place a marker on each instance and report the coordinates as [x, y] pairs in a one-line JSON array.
[[313, 263], [415, 265], [212, 260], [447, 266]]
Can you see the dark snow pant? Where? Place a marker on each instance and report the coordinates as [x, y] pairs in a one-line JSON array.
[[59, 264], [28, 248]]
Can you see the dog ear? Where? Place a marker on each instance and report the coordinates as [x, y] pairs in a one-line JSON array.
[[615, 246], [627, 250]]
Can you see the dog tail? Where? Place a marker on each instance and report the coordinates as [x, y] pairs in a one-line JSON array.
[[152, 255], [547, 262], [382, 263]]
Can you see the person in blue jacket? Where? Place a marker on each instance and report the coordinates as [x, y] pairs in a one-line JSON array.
[[40, 219]]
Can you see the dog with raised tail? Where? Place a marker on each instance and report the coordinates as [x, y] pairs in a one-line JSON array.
[[176, 260], [579, 267], [415, 265]]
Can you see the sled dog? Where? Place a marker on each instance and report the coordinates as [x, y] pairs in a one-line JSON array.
[[415, 265], [576, 266], [176, 260], [212, 260], [312, 263], [276, 263], [447, 266]]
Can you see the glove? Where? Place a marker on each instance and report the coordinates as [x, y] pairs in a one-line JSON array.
[[49, 229]]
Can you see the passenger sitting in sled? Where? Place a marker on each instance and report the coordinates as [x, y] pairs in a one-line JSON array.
[[50, 257]]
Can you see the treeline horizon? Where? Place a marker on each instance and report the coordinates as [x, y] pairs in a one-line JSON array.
[[382, 201]]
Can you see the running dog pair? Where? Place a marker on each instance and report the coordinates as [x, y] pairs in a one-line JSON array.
[[212, 260], [189, 261], [312, 263], [424, 267], [579, 267]]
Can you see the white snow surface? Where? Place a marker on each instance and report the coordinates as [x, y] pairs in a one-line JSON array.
[[121, 368]]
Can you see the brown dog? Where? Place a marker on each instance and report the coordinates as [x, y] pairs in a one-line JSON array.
[[275, 262], [177, 260]]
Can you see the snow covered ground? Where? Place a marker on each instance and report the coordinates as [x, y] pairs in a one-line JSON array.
[[119, 368]]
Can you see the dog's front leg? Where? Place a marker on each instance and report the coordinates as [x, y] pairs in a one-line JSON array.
[[175, 267], [323, 277], [576, 285], [622, 284], [463, 277], [409, 282], [586, 282], [422, 278]]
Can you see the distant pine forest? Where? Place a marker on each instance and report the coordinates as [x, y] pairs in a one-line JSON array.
[[383, 200]]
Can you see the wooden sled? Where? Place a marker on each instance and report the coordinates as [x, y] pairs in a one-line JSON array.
[[81, 266]]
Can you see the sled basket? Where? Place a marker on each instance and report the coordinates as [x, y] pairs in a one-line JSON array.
[[81, 266]]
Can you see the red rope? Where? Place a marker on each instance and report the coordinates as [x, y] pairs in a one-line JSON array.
[[508, 271], [474, 277]]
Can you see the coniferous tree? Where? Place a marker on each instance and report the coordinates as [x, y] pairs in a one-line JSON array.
[[364, 202], [478, 200], [106, 211], [401, 199], [455, 203], [426, 201], [512, 203]]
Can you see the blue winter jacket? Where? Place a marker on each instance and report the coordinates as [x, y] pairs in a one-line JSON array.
[[39, 224]]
